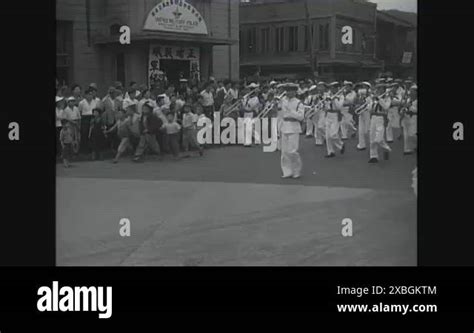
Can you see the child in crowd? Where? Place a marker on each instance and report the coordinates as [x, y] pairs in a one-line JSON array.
[[68, 139], [172, 128], [189, 131], [97, 138]]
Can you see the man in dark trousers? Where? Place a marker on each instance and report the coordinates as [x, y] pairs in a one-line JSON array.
[[149, 127]]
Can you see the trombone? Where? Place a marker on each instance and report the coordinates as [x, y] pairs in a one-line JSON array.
[[236, 106], [361, 108], [270, 106]]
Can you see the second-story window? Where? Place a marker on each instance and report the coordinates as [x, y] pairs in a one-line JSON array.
[[293, 39], [279, 39], [324, 36], [252, 40], [265, 40]]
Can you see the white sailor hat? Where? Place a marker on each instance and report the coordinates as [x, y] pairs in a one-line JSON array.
[[313, 87], [161, 96], [253, 85], [333, 84], [414, 87], [322, 83], [128, 102], [71, 99], [59, 98], [366, 84], [273, 83], [348, 83], [183, 80]]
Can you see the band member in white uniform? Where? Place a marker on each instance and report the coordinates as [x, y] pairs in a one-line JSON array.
[[347, 122], [333, 118], [393, 116], [309, 102], [292, 110], [409, 121], [251, 107], [320, 132], [365, 101], [377, 126]]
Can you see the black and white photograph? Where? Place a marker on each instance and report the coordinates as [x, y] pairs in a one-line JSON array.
[[236, 133]]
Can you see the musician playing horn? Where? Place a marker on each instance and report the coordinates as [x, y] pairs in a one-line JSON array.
[[251, 106], [310, 102], [292, 111], [347, 122], [333, 106], [378, 118], [320, 131], [409, 121], [364, 106]]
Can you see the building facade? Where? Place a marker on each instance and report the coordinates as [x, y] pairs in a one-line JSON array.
[[184, 39], [297, 38], [396, 44]]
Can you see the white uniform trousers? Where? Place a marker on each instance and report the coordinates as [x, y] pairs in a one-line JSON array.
[[377, 136], [319, 133], [347, 123], [310, 126], [248, 129], [333, 139], [291, 163], [409, 125], [393, 122], [363, 129]]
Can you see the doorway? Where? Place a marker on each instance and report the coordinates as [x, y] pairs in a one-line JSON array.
[[175, 69]]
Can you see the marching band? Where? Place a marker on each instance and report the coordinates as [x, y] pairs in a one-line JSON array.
[[331, 113]]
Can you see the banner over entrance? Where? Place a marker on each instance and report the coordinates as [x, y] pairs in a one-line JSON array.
[[175, 16]]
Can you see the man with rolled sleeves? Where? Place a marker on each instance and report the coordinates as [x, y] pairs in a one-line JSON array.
[[292, 113]]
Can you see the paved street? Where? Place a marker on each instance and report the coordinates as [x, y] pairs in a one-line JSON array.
[[230, 207]]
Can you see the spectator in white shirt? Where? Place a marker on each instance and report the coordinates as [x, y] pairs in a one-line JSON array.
[[207, 101], [86, 106]]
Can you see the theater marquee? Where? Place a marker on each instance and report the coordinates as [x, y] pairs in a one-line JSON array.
[[175, 16]]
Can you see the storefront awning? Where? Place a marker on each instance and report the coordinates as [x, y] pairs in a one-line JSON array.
[[154, 36]]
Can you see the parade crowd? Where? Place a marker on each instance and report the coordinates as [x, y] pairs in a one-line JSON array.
[[164, 119]]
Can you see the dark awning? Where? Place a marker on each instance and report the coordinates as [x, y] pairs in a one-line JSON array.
[[153, 36]]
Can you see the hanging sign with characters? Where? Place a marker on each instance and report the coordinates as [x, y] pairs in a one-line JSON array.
[[161, 52], [175, 16]]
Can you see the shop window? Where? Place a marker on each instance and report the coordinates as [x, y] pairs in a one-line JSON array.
[[293, 39]]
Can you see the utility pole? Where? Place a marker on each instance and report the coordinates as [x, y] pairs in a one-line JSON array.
[[309, 36]]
